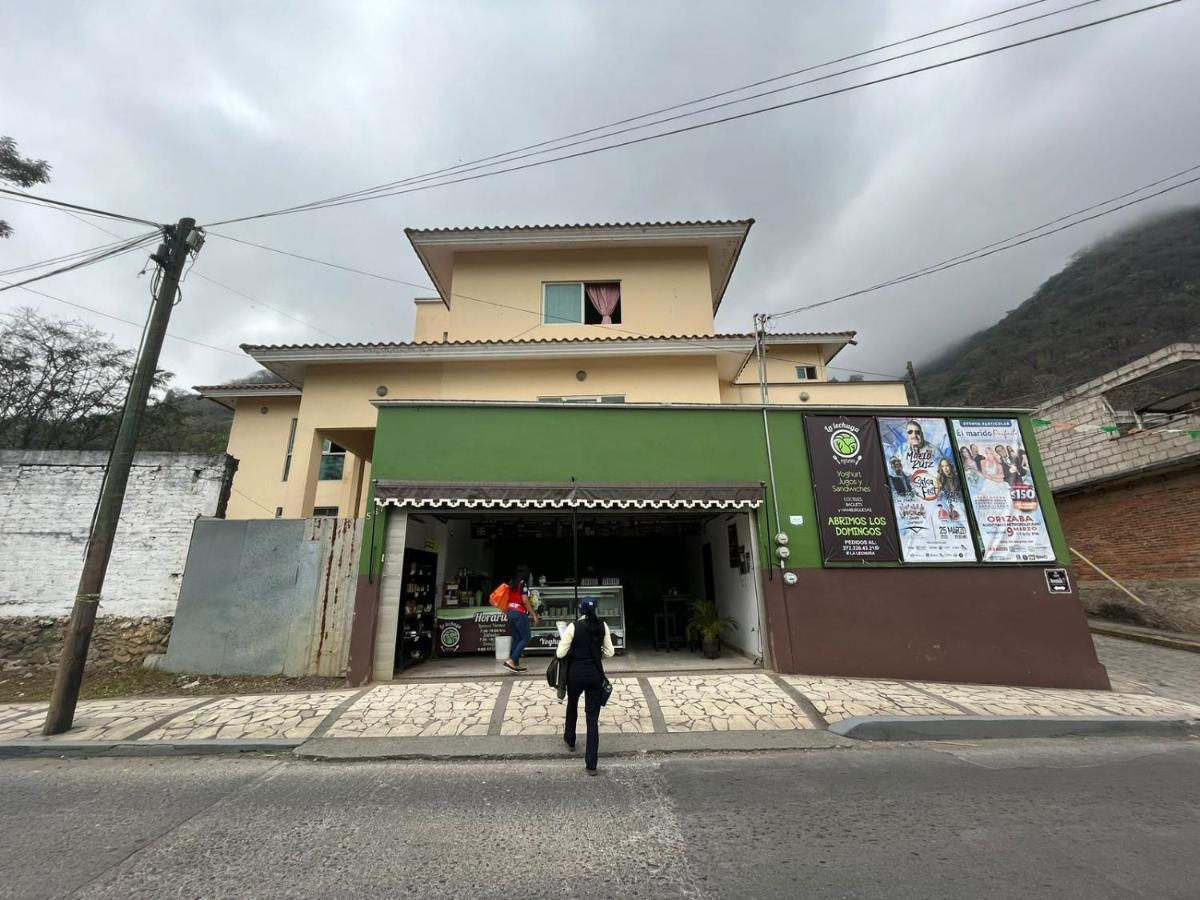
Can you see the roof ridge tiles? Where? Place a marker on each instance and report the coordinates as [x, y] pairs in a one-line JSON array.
[[370, 345], [580, 225]]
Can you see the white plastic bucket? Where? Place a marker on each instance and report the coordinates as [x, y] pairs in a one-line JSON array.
[[503, 646]]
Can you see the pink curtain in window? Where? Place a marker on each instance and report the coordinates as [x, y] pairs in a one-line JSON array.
[[604, 299]]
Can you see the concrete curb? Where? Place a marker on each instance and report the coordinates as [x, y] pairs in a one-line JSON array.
[[1145, 637], [938, 728], [551, 746], [82, 749]]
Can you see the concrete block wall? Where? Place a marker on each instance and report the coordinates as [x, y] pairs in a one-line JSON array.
[[1077, 458], [46, 504]]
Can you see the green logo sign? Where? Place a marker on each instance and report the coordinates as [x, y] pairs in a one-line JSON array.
[[451, 636], [844, 443]]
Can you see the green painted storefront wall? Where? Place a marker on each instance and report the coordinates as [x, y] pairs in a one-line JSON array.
[[613, 444]]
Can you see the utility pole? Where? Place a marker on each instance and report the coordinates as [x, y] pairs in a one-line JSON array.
[[912, 379], [171, 256]]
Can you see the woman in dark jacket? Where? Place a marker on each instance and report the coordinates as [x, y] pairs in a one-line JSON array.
[[583, 644]]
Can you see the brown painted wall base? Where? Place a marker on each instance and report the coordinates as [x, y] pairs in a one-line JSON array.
[[990, 626], [362, 631]]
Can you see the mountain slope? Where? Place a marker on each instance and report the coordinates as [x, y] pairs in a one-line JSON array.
[[1119, 299]]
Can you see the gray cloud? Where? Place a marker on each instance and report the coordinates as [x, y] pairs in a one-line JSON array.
[[226, 108]]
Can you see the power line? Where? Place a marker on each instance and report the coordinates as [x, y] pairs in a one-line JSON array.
[[86, 210], [742, 115], [111, 253], [1000, 246], [120, 319], [255, 300], [252, 500], [471, 164], [41, 264]]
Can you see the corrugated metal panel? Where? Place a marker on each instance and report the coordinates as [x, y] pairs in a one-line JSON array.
[[333, 615]]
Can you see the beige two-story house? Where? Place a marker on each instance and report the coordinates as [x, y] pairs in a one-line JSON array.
[[556, 314]]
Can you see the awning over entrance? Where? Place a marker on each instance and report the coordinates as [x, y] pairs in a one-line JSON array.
[[560, 495]]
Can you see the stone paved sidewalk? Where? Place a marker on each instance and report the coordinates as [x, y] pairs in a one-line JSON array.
[[667, 705]]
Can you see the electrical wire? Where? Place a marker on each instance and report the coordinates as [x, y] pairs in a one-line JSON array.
[[105, 315], [665, 109], [1008, 244], [127, 247], [276, 309], [86, 210], [494, 158], [43, 263], [730, 118]]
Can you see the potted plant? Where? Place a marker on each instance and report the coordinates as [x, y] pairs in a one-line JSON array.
[[706, 626]]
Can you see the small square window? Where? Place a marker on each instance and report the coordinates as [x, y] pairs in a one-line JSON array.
[[806, 373], [279, 512]]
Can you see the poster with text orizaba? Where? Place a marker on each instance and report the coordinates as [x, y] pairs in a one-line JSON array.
[[926, 487], [1001, 489], [853, 506]]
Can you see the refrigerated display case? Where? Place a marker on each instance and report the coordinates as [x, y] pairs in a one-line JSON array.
[[556, 603]]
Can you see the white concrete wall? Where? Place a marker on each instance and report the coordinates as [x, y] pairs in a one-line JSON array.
[[735, 592], [46, 504]]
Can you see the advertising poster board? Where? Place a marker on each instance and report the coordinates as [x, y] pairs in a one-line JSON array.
[[926, 487], [854, 508], [1000, 486]]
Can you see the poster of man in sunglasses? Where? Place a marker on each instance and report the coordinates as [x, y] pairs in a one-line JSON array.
[[931, 515]]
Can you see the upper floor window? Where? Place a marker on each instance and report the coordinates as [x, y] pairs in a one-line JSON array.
[[333, 461], [806, 373], [581, 303], [325, 512], [291, 444]]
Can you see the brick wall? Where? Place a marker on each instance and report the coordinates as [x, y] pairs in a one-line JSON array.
[[46, 504], [1145, 533]]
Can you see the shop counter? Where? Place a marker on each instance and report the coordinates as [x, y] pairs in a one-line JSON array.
[[473, 629]]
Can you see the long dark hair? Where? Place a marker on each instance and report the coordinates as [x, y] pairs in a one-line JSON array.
[[594, 626], [520, 575]]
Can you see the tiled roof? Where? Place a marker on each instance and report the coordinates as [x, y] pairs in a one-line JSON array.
[[685, 224], [400, 345], [263, 386]]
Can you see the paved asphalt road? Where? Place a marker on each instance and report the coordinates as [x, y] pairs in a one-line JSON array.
[[1065, 819]]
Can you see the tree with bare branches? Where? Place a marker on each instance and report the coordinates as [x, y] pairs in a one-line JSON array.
[[62, 383]]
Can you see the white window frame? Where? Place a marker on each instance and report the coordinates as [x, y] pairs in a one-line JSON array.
[[802, 373]]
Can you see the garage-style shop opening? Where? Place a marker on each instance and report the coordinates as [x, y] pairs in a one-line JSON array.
[[649, 570]]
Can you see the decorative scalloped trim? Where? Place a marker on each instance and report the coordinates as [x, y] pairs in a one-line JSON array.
[[465, 503]]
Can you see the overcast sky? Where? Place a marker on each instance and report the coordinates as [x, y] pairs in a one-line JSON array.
[[219, 109]]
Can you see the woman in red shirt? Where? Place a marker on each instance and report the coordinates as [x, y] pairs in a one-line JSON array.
[[520, 612]]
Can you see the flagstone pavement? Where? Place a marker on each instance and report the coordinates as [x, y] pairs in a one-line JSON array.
[[527, 706]]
